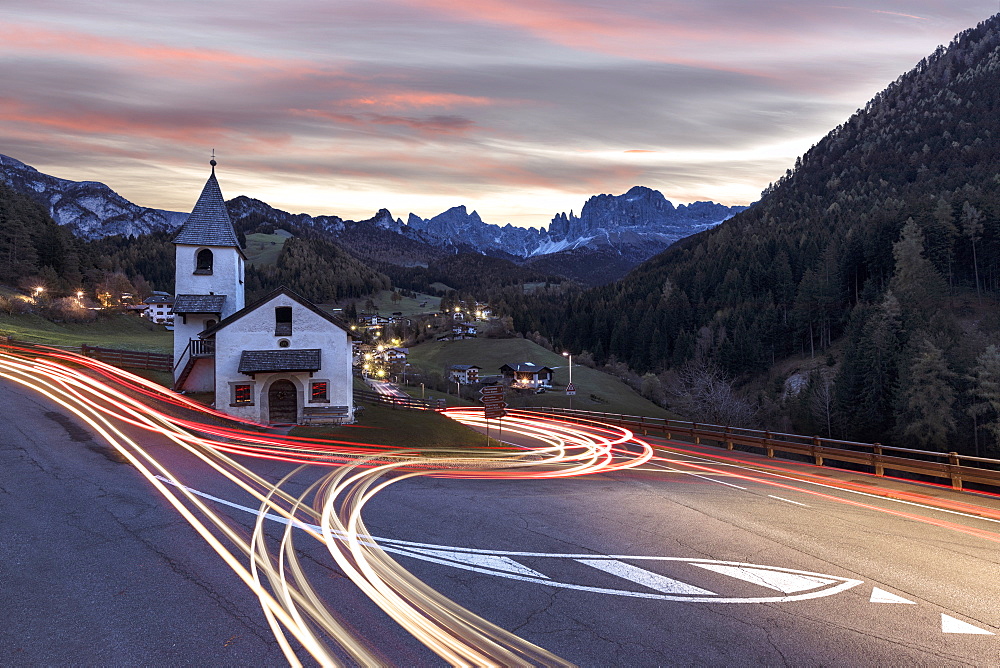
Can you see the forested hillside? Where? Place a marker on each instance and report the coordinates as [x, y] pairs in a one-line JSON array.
[[872, 239]]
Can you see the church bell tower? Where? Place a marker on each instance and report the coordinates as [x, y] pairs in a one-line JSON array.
[[208, 284]]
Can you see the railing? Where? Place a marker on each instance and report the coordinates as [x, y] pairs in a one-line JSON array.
[[202, 347], [956, 468], [402, 402], [130, 358]]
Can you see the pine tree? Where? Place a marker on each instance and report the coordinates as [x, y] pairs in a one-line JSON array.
[[985, 392], [916, 283], [928, 398]]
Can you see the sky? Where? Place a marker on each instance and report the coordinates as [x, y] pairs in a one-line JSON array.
[[519, 109]]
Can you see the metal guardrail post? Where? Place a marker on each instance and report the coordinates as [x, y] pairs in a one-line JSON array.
[[697, 437], [729, 438], [768, 448], [953, 469], [877, 460]]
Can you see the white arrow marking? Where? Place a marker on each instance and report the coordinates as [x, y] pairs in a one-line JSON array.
[[952, 625], [646, 578], [788, 583], [504, 564], [882, 596]]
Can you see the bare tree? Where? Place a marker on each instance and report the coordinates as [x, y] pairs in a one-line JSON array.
[[821, 399], [701, 392]]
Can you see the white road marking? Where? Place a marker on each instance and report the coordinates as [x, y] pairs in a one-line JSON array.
[[497, 563], [779, 498], [883, 596], [646, 578], [424, 552], [788, 583], [951, 625]]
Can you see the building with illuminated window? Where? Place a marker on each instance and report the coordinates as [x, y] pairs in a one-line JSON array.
[[277, 361]]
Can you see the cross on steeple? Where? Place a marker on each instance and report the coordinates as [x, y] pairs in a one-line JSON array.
[[212, 161]]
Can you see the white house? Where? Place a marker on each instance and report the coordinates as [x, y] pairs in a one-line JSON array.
[[159, 308], [279, 360], [466, 374]]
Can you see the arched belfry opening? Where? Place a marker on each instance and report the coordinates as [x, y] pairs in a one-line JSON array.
[[203, 262]]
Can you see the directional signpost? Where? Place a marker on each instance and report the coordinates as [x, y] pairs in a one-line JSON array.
[[493, 403]]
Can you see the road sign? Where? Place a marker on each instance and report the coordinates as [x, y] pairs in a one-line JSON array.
[[571, 389], [492, 390], [494, 403], [493, 413]]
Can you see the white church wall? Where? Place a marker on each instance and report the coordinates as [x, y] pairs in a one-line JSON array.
[[255, 331]]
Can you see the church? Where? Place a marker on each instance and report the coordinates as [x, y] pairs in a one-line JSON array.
[[280, 360]]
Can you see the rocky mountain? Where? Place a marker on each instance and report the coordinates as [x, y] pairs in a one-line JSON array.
[[611, 235], [636, 225], [90, 209]]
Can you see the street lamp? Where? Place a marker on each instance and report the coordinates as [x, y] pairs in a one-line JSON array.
[[570, 385], [570, 356], [39, 290]]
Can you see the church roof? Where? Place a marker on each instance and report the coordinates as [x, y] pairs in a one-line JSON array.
[[225, 322], [265, 361], [209, 223], [199, 303]]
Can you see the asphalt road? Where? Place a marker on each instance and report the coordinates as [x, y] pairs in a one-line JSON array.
[[617, 569]]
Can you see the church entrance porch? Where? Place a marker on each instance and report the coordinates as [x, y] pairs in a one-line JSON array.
[[282, 403]]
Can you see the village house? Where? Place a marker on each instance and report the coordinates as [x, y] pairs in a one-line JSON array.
[[280, 360], [527, 376], [159, 308], [466, 374]]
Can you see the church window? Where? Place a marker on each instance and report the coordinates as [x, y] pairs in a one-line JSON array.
[[319, 391], [203, 263], [283, 321], [242, 394]]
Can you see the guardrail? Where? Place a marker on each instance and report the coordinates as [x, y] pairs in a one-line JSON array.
[[956, 468], [402, 402]]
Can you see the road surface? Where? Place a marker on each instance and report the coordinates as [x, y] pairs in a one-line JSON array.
[[691, 556]]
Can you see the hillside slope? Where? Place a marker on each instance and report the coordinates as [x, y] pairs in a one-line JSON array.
[[823, 254]]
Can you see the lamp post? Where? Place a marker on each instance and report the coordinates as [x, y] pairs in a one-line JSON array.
[[570, 356]]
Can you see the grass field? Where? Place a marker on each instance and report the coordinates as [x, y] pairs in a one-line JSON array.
[[126, 331], [384, 425], [406, 306], [596, 391], [264, 249], [441, 286]]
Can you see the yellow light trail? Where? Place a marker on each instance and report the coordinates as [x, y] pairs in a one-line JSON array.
[[110, 400]]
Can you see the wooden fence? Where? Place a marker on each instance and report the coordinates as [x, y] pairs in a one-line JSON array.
[[401, 402], [957, 469], [130, 358]]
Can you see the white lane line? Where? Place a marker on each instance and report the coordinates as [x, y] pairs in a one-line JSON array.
[[951, 625], [661, 468], [852, 491], [781, 498], [787, 583], [883, 596], [648, 579]]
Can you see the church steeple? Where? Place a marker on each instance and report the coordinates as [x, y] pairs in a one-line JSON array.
[[209, 223]]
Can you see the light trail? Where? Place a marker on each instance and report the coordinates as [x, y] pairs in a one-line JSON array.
[[112, 401]]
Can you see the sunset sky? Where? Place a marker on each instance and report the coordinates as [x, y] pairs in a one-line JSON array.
[[519, 108]]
